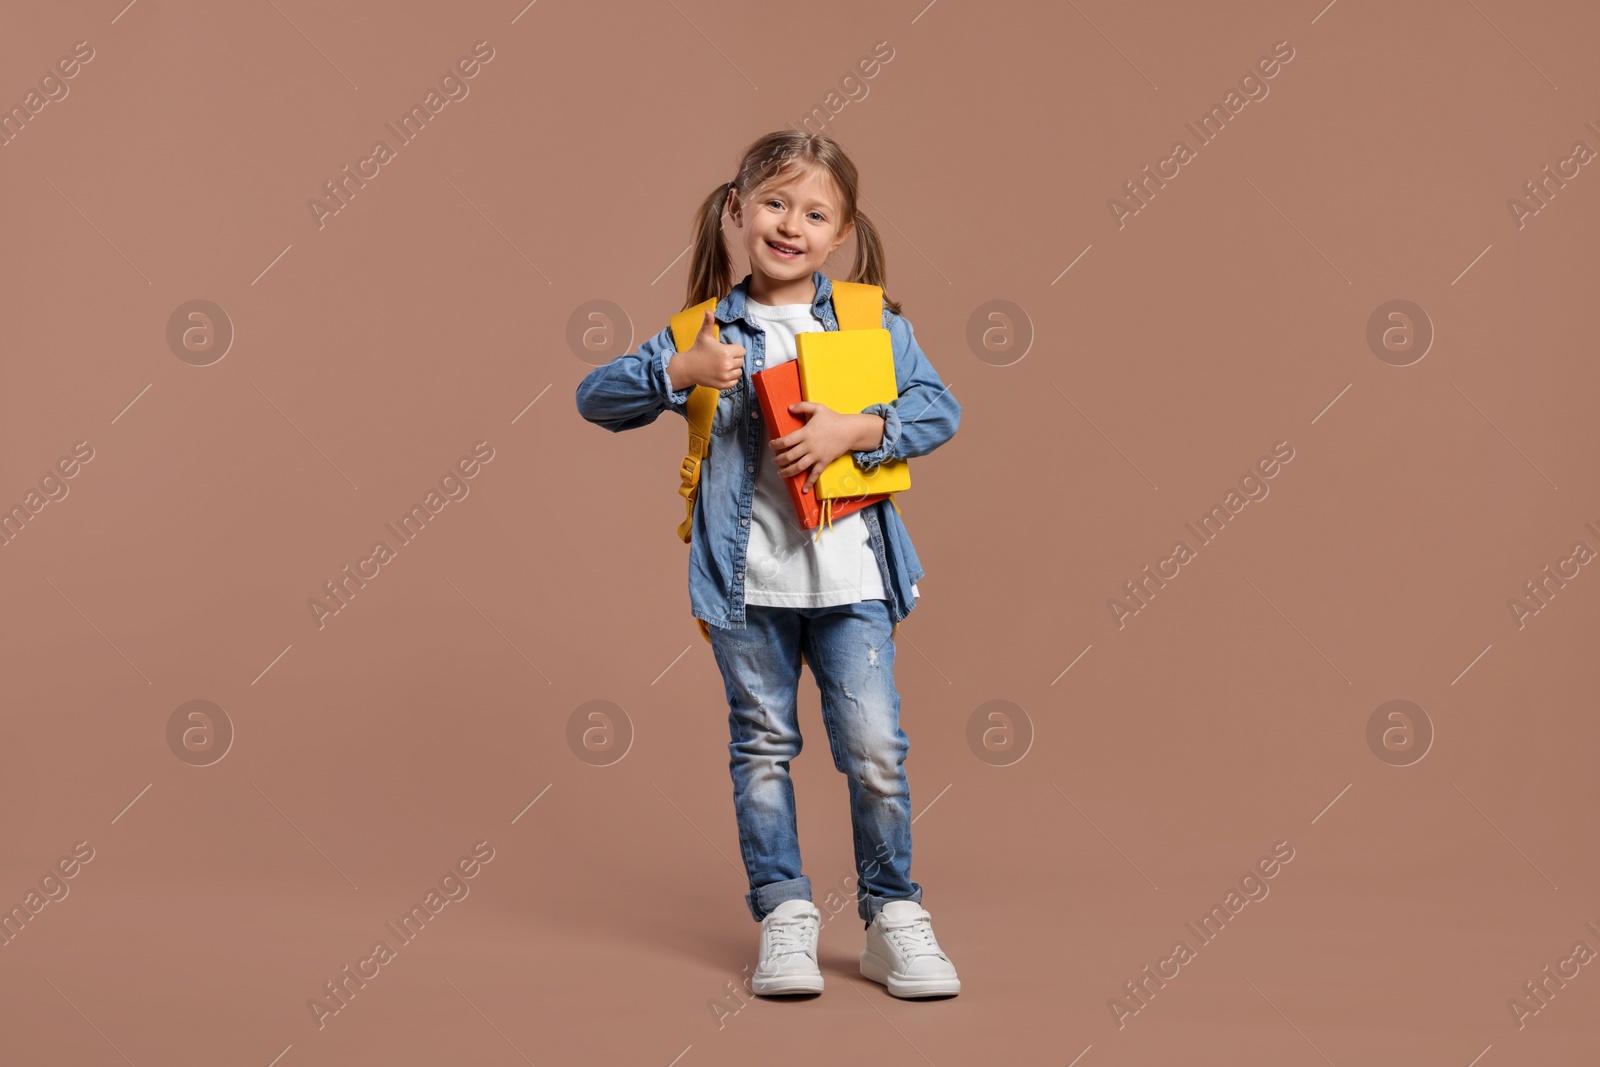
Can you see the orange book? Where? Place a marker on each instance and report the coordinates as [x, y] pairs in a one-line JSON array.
[[776, 388]]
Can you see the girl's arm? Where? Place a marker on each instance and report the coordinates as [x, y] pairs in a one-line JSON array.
[[633, 390], [926, 413]]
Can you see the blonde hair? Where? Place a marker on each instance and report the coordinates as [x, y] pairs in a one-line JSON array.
[[774, 156]]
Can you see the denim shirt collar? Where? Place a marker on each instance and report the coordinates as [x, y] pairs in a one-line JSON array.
[[732, 307]]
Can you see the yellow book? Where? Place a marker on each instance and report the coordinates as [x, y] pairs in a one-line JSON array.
[[847, 370]]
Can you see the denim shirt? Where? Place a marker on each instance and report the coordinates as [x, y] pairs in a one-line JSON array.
[[633, 389]]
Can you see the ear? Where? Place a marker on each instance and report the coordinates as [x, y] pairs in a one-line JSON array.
[[844, 235]]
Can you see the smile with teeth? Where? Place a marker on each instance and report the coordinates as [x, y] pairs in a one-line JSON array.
[[784, 250]]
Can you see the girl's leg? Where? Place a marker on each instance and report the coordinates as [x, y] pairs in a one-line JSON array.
[[761, 674], [852, 658]]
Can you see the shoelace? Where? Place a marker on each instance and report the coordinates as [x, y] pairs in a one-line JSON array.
[[915, 938], [788, 935]]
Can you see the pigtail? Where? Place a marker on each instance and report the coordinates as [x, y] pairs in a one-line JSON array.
[[871, 265], [710, 266]]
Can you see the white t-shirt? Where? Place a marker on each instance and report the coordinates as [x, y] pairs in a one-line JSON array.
[[784, 566]]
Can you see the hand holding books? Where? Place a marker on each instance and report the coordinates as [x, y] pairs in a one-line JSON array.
[[825, 435]]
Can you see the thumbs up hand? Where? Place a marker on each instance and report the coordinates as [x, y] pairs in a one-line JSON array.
[[709, 363]]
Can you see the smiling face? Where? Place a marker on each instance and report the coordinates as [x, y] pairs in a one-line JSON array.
[[789, 228]]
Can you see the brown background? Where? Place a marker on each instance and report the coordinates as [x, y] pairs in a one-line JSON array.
[[1230, 714]]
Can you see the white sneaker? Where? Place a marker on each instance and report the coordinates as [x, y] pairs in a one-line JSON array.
[[902, 953], [788, 962]]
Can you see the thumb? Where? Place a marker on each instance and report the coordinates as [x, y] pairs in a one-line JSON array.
[[709, 326]]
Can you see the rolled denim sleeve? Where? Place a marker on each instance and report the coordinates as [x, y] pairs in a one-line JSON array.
[[926, 413], [633, 390]]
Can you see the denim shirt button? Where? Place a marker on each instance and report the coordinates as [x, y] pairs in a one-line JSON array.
[[750, 467], [744, 522]]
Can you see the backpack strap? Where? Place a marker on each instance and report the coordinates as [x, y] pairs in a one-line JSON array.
[[858, 306], [700, 411]]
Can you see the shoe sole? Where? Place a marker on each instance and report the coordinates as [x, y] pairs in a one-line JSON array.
[[787, 984], [906, 988]]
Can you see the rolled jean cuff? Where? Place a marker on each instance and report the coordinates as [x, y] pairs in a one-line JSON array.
[[869, 906], [664, 381], [869, 460], [763, 899]]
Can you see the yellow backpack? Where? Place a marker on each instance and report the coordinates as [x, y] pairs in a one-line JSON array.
[[858, 306]]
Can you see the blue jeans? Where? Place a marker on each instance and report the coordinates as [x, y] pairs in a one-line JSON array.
[[851, 655]]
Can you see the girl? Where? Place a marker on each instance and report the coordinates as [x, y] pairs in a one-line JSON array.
[[769, 592]]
